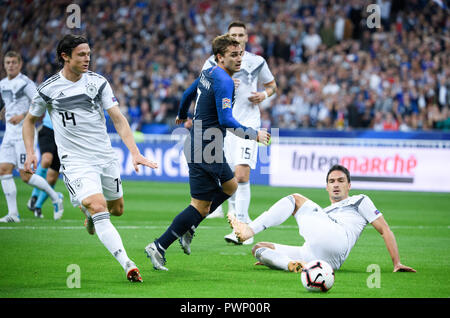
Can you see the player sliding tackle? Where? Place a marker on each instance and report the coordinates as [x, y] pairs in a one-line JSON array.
[[329, 233], [210, 177]]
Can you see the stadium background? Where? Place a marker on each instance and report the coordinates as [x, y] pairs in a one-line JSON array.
[[340, 82], [374, 95]]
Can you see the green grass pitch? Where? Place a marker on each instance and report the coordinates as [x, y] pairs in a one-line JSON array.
[[37, 254]]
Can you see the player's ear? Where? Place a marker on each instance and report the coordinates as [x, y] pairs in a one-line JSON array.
[[65, 57]]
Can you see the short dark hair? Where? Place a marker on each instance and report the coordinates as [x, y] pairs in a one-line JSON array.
[[67, 44], [13, 54], [339, 168], [238, 24], [221, 43]]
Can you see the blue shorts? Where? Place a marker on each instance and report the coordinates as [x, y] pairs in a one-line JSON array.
[[205, 179]]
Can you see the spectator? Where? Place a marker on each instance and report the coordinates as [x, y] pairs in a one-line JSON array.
[[321, 51]]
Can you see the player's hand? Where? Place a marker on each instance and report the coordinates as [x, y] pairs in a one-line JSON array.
[[179, 121], [263, 137], [257, 97], [16, 119], [188, 123], [403, 268], [236, 81], [141, 160], [30, 163]]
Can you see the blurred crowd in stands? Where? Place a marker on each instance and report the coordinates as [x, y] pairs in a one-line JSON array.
[[335, 66]]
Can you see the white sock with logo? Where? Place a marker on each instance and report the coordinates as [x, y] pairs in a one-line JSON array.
[[109, 236], [242, 202], [276, 215], [10, 191], [40, 183]]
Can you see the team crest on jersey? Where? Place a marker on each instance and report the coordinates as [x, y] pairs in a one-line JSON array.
[[226, 103], [91, 90]]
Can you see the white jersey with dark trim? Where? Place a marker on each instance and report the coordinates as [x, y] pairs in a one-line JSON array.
[[16, 94], [254, 70], [353, 214], [76, 110]]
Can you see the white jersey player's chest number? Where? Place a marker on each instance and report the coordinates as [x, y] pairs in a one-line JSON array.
[[66, 117]]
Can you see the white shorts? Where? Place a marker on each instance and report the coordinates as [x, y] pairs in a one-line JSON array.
[[13, 151], [84, 181], [324, 239], [240, 151]]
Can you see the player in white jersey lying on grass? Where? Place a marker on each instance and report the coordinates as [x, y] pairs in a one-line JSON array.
[[76, 99], [329, 233], [241, 153], [17, 91]]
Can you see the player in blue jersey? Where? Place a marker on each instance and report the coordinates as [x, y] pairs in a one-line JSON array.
[[210, 177], [48, 167]]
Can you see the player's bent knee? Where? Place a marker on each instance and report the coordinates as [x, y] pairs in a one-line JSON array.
[[95, 203], [116, 207], [25, 176], [262, 244], [299, 200]]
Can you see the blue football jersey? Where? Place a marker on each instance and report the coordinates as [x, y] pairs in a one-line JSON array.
[[213, 92]]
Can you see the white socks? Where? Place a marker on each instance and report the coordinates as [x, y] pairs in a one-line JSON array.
[[242, 202], [40, 183], [272, 259], [276, 215], [109, 236], [10, 190], [231, 204]]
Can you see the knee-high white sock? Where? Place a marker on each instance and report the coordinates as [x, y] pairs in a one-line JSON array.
[[10, 190], [109, 236], [41, 183], [272, 258], [277, 214], [242, 202], [232, 204]]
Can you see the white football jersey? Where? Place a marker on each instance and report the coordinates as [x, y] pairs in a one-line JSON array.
[[17, 94], [353, 214], [76, 112], [254, 70]]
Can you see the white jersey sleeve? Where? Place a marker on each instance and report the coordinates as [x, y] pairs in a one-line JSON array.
[[38, 106], [368, 210], [265, 75], [30, 90], [108, 99]]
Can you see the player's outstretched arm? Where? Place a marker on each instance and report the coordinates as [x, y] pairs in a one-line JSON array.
[[124, 131], [28, 139], [383, 228]]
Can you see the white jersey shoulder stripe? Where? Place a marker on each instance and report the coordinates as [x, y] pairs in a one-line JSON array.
[[49, 81]]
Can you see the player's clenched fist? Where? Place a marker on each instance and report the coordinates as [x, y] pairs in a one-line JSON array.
[[263, 137]]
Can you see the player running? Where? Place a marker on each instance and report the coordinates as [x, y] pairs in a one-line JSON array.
[[329, 233], [76, 99], [210, 177], [241, 153], [17, 91]]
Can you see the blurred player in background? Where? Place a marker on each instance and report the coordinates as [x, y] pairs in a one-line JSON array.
[[48, 167], [76, 99], [241, 153], [17, 91], [211, 180], [329, 233]]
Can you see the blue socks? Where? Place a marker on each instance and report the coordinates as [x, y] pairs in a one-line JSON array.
[[187, 220], [184, 221]]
